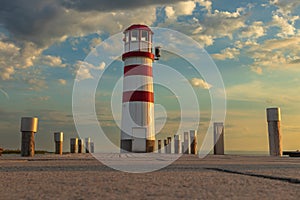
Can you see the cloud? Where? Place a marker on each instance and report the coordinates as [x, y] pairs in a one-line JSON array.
[[62, 81], [286, 25], [52, 61], [257, 70], [206, 29], [256, 30], [95, 42], [205, 3], [85, 68], [276, 54], [264, 92], [104, 5], [285, 7], [37, 84], [223, 23], [197, 82], [228, 53], [6, 73]]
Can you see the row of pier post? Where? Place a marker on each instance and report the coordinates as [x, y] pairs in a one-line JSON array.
[[189, 143], [29, 126], [187, 146]]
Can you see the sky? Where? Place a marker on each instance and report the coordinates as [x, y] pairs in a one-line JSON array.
[[255, 45]]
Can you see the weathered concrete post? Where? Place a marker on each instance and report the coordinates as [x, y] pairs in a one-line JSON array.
[[193, 136], [186, 142], [169, 147], [275, 143], [165, 146], [58, 139], [87, 145], [29, 126], [80, 145], [92, 147], [73, 145], [219, 138], [177, 144], [159, 146]]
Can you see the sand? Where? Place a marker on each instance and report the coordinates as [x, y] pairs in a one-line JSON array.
[[75, 176]]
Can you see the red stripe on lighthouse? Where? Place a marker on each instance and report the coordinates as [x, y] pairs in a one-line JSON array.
[[143, 70], [144, 96], [138, 54]]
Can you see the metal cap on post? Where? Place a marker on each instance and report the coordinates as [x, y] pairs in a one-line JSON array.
[[275, 143], [29, 126], [58, 139]]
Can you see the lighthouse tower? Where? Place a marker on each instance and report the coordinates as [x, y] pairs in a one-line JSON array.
[[138, 133]]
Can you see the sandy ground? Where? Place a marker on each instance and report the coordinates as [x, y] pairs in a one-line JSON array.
[[215, 177]]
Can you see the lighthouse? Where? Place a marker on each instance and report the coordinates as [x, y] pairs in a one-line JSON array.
[[138, 133]]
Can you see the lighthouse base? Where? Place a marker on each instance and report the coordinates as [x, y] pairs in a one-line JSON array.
[[127, 146]]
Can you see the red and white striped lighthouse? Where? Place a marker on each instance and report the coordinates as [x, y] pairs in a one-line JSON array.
[[138, 133]]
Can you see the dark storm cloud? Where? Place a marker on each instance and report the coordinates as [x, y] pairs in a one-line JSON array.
[[27, 19], [104, 5], [41, 21]]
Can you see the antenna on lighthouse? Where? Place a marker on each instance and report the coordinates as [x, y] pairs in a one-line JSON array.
[[157, 52]]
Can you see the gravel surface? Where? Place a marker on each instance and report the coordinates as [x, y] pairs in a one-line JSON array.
[[74, 176]]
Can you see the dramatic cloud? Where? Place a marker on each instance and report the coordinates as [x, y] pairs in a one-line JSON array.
[[256, 30], [263, 92], [280, 54], [285, 6], [85, 70], [197, 82], [228, 53], [223, 23], [286, 25], [52, 61], [104, 5]]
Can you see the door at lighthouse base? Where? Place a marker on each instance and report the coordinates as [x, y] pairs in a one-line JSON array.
[[139, 139]]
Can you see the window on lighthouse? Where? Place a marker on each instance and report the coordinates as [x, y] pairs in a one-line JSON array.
[[144, 36], [134, 40], [145, 45], [134, 35]]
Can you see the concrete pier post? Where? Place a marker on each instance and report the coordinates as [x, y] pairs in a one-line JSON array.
[[29, 126], [80, 145], [159, 146], [87, 145], [169, 147], [219, 138], [186, 142], [58, 139], [177, 144], [165, 146], [73, 145], [275, 143], [92, 147], [193, 141], [182, 147]]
